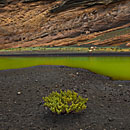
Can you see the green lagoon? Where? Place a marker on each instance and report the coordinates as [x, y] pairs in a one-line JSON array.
[[118, 68]]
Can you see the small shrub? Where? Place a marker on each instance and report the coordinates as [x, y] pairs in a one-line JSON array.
[[65, 102]]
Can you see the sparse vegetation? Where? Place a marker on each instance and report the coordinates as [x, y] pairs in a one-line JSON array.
[[65, 102], [68, 49]]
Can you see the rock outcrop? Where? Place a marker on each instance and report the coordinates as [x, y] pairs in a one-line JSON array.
[[25, 23]]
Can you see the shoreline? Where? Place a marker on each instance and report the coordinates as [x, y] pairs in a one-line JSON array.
[[73, 68], [60, 54]]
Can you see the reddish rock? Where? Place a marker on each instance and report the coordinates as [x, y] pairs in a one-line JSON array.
[[45, 23]]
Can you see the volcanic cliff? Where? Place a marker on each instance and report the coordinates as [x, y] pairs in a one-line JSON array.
[[31, 23]]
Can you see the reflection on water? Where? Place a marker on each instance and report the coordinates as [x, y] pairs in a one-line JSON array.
[[115, 67]]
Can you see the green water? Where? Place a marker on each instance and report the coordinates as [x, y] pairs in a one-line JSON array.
[[116, 67]]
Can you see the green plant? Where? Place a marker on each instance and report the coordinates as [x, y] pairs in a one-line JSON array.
[[65, 102]]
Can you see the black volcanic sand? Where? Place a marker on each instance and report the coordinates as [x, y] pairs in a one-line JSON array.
[[61, 53], [21, 105]]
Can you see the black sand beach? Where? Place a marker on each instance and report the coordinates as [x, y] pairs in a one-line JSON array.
[[21, 105], [62, 53]]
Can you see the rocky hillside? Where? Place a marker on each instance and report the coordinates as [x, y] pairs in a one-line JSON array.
[[25, 23]]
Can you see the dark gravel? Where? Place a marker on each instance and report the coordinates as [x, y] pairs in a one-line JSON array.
[[21, 105]]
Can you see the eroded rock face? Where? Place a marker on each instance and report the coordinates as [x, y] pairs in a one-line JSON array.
[[67, 4], [64, 22]]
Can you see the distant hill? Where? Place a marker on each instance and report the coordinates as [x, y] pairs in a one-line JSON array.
[[31, 23]]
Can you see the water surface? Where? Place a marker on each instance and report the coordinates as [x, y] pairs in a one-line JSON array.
[[115, 67]]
